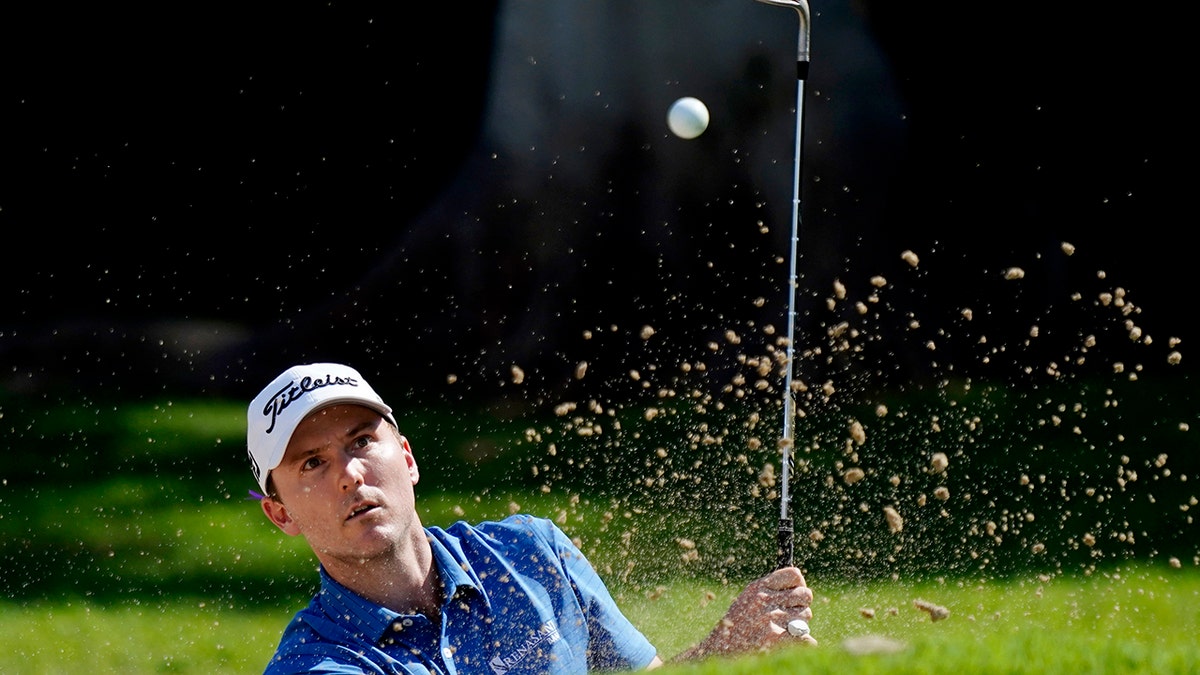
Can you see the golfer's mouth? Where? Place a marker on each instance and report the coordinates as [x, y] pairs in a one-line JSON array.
[[360, 510]]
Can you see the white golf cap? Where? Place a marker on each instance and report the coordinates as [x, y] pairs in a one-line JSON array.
[[300, 390]]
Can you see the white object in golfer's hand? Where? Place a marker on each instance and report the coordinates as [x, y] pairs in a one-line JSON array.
[[798, 627]]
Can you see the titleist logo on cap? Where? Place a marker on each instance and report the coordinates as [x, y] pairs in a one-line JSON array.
[[289, 393]]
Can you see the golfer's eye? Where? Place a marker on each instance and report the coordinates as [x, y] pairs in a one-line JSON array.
[[310, 464], [363, 441]]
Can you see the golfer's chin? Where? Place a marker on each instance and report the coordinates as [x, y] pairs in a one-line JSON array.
[[365, 547]]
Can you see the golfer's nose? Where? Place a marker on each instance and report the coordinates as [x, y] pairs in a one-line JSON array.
[[352, 473]]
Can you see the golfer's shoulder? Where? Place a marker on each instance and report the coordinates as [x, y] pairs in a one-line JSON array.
[[520, 523], [521, 530]]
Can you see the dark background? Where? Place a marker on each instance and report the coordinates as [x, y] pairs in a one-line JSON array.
[[196, 195]]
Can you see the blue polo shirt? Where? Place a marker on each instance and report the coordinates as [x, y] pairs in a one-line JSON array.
[[519, 598]]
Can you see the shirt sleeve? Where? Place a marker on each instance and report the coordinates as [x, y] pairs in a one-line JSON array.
[[614, 643]]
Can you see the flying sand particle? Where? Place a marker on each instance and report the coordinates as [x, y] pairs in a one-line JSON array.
[[939, 462], [766, 477], [894, 520], [936, 612], [857, 432]]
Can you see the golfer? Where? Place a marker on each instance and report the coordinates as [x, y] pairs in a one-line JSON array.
[[495, 598]]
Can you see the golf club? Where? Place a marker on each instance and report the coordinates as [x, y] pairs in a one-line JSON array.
[[786, 534]]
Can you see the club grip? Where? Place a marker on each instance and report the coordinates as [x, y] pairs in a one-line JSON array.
[[786, 539]]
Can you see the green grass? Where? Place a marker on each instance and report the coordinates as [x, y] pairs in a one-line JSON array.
[[129, 544], [162, 636], [1136, 618]]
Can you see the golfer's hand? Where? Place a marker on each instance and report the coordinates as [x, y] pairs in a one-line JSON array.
[[757, 619]]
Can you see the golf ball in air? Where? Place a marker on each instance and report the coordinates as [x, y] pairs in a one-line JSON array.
[[798, 627], [688, 117]]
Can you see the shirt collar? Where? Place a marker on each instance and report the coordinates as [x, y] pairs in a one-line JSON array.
[[371, 620], [458, 575]]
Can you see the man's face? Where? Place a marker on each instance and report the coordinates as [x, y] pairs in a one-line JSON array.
[[346, 484]]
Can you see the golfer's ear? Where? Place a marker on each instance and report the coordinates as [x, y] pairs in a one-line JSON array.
[[277, 513], [411, 459]]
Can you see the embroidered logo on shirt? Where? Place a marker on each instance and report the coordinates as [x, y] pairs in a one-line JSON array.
[[546, 635]]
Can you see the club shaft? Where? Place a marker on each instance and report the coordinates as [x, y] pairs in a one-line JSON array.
[[787, 444], [786, 532]]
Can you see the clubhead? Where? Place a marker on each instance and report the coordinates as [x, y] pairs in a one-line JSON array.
[[798, 5], [801, 7]]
